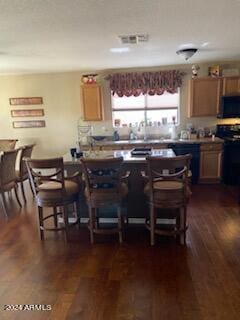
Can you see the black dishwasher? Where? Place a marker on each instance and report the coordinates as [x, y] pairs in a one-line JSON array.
[[194, 150]]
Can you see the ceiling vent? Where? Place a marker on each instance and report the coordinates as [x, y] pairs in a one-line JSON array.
[[134, 39]]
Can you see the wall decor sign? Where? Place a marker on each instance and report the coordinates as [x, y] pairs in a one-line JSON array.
[[27, 113], [29, 124], [25, 101]]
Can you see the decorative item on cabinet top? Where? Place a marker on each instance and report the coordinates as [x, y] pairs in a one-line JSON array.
[[214, 71], [26, 100], [89, 78], [230, 72]]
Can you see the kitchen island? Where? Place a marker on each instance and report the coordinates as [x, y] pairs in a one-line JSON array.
[[136, 204], [207, 153]]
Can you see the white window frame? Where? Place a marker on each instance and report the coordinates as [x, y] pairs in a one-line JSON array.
[[146, 108]]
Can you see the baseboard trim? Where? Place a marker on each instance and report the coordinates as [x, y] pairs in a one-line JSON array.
[[114, 220]]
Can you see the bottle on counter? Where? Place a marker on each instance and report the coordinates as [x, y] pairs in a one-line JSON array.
[[174, 134], [131, 135], [116, 135]]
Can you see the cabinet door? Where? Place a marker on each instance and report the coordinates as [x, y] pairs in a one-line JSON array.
[[231, 85], [210, 166], [204, 97], [111, 147], [92, 102]]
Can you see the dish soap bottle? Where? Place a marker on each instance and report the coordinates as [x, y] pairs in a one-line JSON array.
[[116, 135]]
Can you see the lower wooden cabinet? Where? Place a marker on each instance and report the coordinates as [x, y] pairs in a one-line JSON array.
[[210, 163], [127, 146], [111, 147]]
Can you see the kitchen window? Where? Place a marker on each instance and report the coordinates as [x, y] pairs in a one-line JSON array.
[[147, 109]]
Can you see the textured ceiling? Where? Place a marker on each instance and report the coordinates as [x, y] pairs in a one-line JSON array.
[[60, 35]]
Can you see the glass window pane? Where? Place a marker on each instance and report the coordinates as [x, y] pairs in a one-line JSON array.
[[164, 100], [128, 102], [158, 115], [127, 117]]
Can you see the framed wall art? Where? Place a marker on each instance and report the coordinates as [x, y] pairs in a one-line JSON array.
[[27, 113], [25, 101], [29, 124]]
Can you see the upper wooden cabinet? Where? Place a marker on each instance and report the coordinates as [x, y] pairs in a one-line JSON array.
[[204, 97], [92, 102], [231, 85]]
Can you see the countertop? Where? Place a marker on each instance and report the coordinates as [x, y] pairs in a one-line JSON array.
[[158, 141], [126, 154]]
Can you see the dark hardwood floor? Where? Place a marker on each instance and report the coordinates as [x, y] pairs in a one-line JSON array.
[[133, 281]]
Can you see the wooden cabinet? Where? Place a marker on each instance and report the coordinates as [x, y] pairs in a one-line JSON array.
[[204, 97], [92, 102], [128, 146], [111, 147], [231, 85], [145, 145], [210, 163]]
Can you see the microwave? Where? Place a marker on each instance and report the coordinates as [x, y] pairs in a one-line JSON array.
[[229, 107]]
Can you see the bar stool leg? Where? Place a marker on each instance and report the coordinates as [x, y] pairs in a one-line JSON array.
[[152, 225], [55, 217], [31, 187], [4, 204], [78, 212], [23, 191], [95, 218], [16, 195], [183, 216], [65, 218], [41, 227], [90, 210], [119, 213]]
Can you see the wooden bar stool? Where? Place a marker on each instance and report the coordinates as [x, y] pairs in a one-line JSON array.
[[167, 188], [52, 189], [104, 187]]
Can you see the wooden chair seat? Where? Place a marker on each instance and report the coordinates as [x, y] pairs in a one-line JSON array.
[[164, 185], [7, 144], [171, 187], [19, 177], [70, 187], [52, 191]]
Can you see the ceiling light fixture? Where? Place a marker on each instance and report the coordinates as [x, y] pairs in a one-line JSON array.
[[187, 52], [119, 50]]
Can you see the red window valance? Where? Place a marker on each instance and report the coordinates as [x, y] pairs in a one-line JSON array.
[[133, 84]]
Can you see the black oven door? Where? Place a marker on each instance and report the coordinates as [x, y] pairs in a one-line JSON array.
[[231, 163]]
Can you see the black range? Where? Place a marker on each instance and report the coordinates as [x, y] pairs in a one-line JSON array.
[[231, 158]]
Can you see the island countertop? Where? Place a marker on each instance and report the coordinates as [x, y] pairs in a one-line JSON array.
[[126, 154], [158, 141]]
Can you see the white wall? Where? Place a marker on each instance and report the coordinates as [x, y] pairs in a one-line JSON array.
[[62, 107]]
